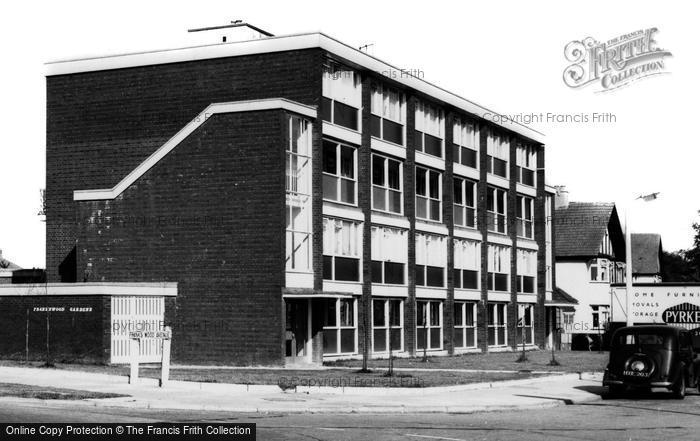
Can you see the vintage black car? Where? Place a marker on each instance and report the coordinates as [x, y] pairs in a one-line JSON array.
[[652, 356]]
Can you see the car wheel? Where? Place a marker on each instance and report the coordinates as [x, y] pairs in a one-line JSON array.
[[679, 387]]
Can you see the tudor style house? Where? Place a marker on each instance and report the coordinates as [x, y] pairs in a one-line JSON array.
[[590, 256], [307, 205]]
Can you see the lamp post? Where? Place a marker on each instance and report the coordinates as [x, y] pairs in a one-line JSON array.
[[628, 258]]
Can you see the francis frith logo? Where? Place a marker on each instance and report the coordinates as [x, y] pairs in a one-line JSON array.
[[614, 63]]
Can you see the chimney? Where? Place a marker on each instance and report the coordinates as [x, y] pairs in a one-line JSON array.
[[561, 199]]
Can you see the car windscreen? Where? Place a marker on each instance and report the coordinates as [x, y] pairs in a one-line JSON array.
[[643, 340]]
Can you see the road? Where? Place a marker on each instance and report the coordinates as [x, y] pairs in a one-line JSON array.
[[648, 417]]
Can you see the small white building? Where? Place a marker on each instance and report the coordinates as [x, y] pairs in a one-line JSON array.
[[590, 256]]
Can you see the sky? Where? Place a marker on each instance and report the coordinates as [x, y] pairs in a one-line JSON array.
[[506, 56]]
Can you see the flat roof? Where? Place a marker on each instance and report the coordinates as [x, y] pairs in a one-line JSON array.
[[281, 44], [167, 289]]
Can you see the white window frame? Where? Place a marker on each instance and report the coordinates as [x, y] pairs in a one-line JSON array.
[[498, 263], [497, 146], [460, 262], [526, 158], [338, 328], [522, 323], [338, 225], [430, 327], [424, 113], [522, 222], [464, 207], [464, 327], [500, 314], [526, 267], [385, 188], [602, 314], [381, 101], [602, 267], [387, 325], [493, 214], [381, 252], [336, 90], [425, 258], [298, 196], [465, 135], [427, 198], [339, 177]]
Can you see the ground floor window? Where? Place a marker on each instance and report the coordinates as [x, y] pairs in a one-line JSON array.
[[340, 327], [600, 314], [465, 324], [429, 324], [525, 321], [387, 323], [497, 320]]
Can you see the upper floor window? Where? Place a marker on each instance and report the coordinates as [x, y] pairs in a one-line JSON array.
[[430, 129], [527, 271], [464, 203], [498, 260], [599, 270], [339, 172], [525, 217], [526, 160], [467, 263], [388, 114], [298, 198], [431, 260], [496, 210], [342, 96], [389, 255], [465, 137], [498, 152], [342, 248], [387, 184], [428, 194]]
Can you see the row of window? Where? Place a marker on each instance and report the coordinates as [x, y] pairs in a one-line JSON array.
[[342, 104], [342, 243], [340, 185], [340, 325]]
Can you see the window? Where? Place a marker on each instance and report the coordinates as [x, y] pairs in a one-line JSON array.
[[431, 260], [389, 255], [496, 210], [525, 217], [465, 138], [467, 261], [342, 244], [388, 114], [430, 129], [298, 196], [498, 151], [387, 179], [525, 329], [339, 172], [387, 321], [599, 270], [428, 194], [600, 314], [499, 268], [464, 203], [526, 160], [428, 325], [339, 327], [342, 96], [527, 271], [568, 321], [465, 324], [617, 272], [497, 320]]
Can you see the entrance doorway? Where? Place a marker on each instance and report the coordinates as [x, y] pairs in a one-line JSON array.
[[297, 327]]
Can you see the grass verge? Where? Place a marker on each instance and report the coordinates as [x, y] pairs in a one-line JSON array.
[[50, 393]]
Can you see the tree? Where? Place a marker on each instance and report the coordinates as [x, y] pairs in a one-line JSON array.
[[693, 254], [675, 267]]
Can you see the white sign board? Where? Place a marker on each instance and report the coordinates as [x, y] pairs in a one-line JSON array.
[[661, 303]]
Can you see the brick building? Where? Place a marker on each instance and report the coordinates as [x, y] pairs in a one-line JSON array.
[[307, 204]]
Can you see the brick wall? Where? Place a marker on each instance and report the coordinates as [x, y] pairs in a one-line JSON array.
[[101, 125], [210, 216]]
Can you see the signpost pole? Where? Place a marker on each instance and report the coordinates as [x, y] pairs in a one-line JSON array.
[[134, 344], [628, 270], [165, 360]]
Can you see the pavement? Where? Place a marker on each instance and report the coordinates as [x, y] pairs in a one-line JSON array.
[[539, 392]]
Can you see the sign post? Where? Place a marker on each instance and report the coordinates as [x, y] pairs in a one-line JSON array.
[[134, 350], [165, 353]]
